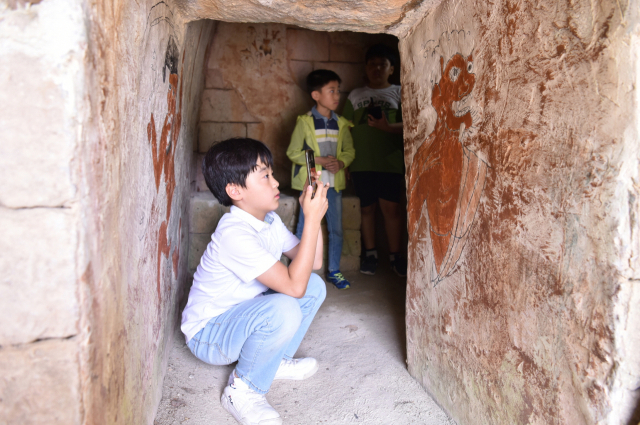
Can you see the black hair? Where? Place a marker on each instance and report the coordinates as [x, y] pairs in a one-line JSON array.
[[319, 78], [381, 51], [231, 161]]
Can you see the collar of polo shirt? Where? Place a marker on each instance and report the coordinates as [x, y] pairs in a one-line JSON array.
[[254, 222]]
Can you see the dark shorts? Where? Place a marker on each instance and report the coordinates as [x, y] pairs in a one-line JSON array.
[[373, 185]]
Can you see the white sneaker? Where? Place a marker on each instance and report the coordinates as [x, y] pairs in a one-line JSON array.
[[247, 406], [297, 369]]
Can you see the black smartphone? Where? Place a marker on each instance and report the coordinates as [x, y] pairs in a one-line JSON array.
[[311, 166], [374, 111]]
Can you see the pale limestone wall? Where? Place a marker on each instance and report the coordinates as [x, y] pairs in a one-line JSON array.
[[522, 303], [256, 82], [41, 98], [147, 81], [99, 110]]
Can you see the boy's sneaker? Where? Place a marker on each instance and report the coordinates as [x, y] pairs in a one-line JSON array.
[[247, 406], [399, 265], [338, 280], [368, 265], [297, 369]]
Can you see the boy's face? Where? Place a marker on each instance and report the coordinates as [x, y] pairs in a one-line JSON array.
[[329, 96], [261, 194], [378, 70]]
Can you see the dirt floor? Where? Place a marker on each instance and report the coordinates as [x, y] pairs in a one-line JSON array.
[[358, 337]]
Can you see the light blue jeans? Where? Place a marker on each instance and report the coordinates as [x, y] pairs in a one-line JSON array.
[[259, 333], [334, 227]]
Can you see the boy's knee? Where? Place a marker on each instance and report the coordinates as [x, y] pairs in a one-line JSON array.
[[286, 313]]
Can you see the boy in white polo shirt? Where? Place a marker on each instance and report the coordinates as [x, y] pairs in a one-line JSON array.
[[244, 304]]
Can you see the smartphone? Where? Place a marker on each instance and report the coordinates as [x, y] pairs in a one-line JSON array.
[[311, 166], [374, 111]]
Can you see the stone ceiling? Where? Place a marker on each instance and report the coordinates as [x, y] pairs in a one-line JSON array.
[[372, 16]]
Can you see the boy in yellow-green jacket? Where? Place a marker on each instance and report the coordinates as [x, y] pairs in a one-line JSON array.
[[328, 134]]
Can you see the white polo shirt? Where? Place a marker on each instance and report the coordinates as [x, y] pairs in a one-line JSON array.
[[241, 249]]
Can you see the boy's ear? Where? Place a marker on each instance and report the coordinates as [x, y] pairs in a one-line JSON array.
[[315, 95], [234, 192]]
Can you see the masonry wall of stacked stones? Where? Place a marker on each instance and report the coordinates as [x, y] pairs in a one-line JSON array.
[[255, 87]]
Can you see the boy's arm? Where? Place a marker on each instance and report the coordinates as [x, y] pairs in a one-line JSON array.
[[293, 280], [348, 153], [295, 151], [384, 125], [317, 261]]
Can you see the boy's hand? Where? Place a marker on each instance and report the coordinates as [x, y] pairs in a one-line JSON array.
[[380, 124], [333, 165], [314, 209]]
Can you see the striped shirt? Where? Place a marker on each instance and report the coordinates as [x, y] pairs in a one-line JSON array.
[[327, 138]]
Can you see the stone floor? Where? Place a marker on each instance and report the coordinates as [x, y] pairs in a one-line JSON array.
[[358, 337]]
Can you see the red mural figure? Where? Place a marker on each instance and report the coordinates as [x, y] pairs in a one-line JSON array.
[[163, 152], [444, 174]]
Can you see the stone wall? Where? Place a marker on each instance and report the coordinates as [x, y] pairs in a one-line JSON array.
[[149, 76], [521, 130], [41, 100], [99, 111], [206, 211], [256, 82]]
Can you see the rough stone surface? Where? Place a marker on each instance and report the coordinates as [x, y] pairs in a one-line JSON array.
[[212, 132], [197, 245], [38, 288], [351, 244], [223, 106], [39, 384], [351, 218], [522, 152], [370, 16], [351, 74], [307, 45], [42, 81], [145, 69]]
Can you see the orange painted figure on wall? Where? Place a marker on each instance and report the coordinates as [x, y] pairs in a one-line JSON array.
[[163, 158], [446, 175]]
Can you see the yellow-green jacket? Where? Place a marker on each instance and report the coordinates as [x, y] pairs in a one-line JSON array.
[[304, 137]]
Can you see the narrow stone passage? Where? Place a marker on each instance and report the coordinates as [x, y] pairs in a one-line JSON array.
[[359, 339]]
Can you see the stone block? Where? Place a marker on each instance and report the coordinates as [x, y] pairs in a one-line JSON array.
[[287, 210], [38, 286], [40, 383], [299, 71], [205, 212], [349, 263], [201, 185], [351, 74], [307, 45], [197, 244], [347, 52], [38, 127], [211, 133], [351, 218], [224, 106], [214, 80], [255, 130], [351, 243]]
